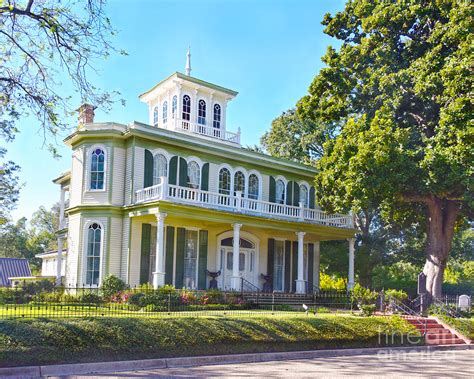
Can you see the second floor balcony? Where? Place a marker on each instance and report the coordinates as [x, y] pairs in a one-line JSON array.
[[238, 204]]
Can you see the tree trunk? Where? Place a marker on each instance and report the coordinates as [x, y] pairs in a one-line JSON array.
[[442, 215]]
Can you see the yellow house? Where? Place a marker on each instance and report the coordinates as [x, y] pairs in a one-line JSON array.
[[179, 201]]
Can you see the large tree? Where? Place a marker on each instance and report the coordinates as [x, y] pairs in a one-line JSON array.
[[400, 85]]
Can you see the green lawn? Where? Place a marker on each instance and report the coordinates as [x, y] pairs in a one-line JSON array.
[[46, 341]]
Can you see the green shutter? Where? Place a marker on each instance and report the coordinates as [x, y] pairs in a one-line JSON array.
[[205, 177], [296, 194], [183, 172], [289, 193], [310, 267], [173, 170], [148, 174], [145, 254], [287, 265], [169, 254], [272, 190], [271, 257], [294, 266], [202, 265], [312, 197], [180, 246]]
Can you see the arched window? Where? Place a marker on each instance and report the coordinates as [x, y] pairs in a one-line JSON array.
[[194, 175], [94, 241], [155, 116], [97, 169], [224, 181], [239, 182], [186, 108], [160, 167], [174, 105], [202, 112], [304, 195], [165, 112], [253, 186], [216, 123], [280, 191]]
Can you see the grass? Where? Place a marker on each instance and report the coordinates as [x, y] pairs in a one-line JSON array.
[[48, 341]]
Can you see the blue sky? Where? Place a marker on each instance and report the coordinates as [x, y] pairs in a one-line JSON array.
[[268, 51]]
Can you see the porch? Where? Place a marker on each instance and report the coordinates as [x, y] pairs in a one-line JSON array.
[[194, 248]]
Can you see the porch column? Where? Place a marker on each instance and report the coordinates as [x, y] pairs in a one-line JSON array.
[[159, 273], [317, 264], [235, 280], [59, 260], [300, 282], [350, 281], [61, 208]]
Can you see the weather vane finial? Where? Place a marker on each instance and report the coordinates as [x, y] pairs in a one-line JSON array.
[[188, 62]]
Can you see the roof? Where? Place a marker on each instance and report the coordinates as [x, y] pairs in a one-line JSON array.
[[63, 177], [13, 267], [51, 253], [192, 79]]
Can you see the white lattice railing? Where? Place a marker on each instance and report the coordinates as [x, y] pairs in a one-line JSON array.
[[185, 195], [208, 131]]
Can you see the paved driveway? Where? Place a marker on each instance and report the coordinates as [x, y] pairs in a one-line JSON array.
[[437, 364]]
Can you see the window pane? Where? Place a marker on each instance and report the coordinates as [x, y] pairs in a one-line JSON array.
[[190, 259], [239, 182], [279, 266], [93, 254], [253, 187], [224, 181], [230, 261], [280, 191], [194, 175]]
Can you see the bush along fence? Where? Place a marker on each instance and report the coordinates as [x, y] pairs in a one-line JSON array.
[[115, 299]]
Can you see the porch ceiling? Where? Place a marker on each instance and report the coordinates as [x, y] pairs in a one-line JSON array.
[[179, 213]]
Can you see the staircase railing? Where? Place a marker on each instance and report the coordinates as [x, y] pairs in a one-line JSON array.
[[246, 286], [453, 318], [406, 310]]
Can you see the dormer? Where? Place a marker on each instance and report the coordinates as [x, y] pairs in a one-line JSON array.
[[189, 105]]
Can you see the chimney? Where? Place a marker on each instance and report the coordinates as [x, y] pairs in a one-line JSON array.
[[86, 114]]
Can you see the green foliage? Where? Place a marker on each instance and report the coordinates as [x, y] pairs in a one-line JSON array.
[[398, 295], [112, 285], [328, 282], [363, 296], [33, 342], [367, 309]]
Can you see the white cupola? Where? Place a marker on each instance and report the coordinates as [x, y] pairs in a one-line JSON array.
[[189, 105]]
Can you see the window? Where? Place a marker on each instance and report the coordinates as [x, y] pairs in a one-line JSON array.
[[190, 259], [280, 191], [253, 187], [304, 195], [241, 261], [194, 175], [202, 112], [186, 108], [217, 116], [165, 112], [97, 169], [155, 116], [174, 105], [160, 167], [224, 181], [278, 267], [239, 182], [94, 236]]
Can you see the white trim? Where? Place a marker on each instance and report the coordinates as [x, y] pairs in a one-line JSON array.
[[244, 235], [260, 183], [89, 152], [84, 252]]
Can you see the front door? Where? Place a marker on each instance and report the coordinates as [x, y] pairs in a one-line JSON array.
[[246, 265]]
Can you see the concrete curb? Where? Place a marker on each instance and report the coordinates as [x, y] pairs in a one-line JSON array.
[[146, 364]]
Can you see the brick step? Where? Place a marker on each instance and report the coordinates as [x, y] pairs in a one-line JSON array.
[[452, 341]]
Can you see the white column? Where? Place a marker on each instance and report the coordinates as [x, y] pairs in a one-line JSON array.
[[61, 208], [159, 273], [351, 282], [235, 280], [300, 282], [317, 264], [59, 261]]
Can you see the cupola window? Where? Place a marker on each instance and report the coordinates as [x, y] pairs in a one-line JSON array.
[[174, 106], [155, 116], [202, 113], [216, 123], [186, 110], [165, 112]]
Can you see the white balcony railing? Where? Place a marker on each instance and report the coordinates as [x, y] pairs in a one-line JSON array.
[[239, 204], [208, 131]]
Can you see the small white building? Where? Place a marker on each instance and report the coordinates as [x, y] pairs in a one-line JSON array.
[[49, 263]]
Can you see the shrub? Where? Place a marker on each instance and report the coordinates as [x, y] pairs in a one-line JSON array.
[[136, 299], [368, 309], [111, 286], [187, 297], [214, 296], [90, 298], [155, 308], [36, 287], [167, 289], [398, 295]]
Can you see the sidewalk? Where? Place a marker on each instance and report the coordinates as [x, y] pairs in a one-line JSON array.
[[150, 364]]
